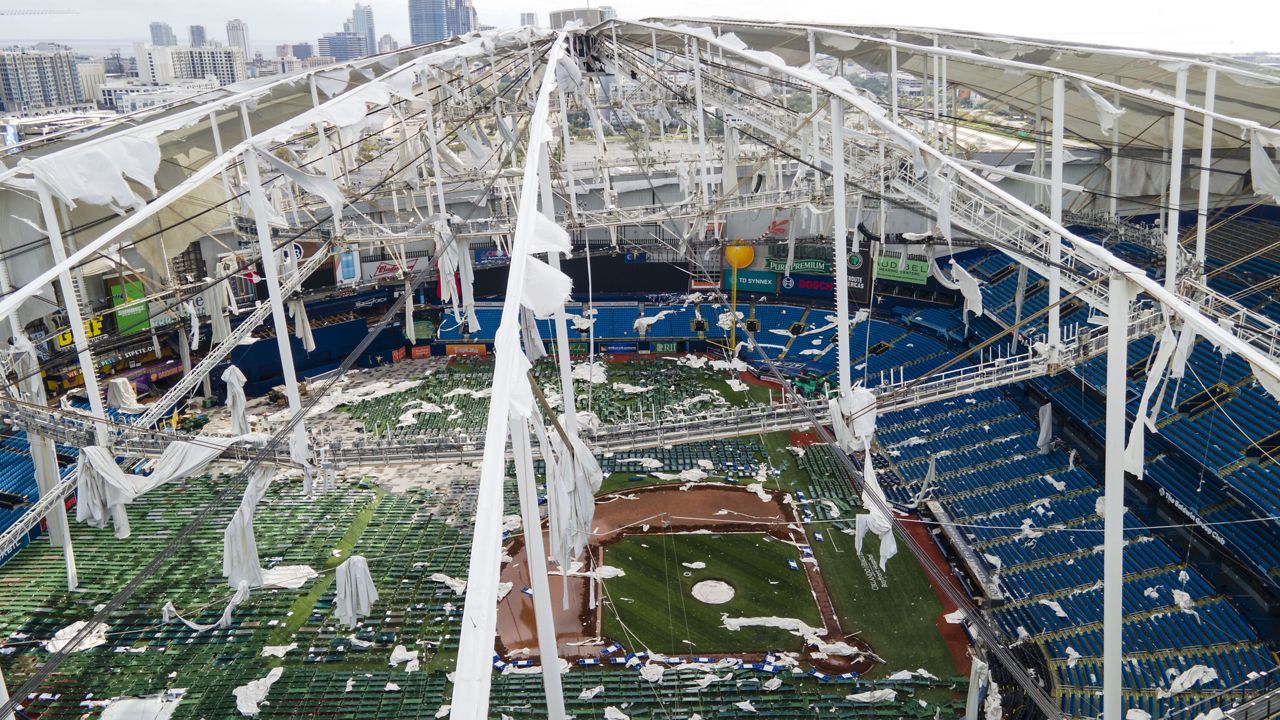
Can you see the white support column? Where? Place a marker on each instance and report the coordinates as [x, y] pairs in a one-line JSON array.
[[1206, 159], [1037, 159], [813, 91], [840, 230], [71, 296], [1175, 183], [1113, 177], [1113, 523], [704, 169], [893, 77], [1055, 213], [535, 555], [271, 274]]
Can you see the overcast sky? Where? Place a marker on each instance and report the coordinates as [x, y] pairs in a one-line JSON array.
[[1241, 26]]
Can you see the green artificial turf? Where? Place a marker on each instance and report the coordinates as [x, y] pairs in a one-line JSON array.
[[655, 603]]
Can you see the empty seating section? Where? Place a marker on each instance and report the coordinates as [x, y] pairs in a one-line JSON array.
[[1201, 435], [1032, 518]]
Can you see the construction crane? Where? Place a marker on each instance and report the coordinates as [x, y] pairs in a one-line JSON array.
[[38, 12]]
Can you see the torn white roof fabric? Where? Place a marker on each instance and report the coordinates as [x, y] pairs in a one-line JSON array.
[[239, 547], [62, 638], [252, 694], [103, 488], [356, 592], [235, 381], [122, 396], [169, 613]]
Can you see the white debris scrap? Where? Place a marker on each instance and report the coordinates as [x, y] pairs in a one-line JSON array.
[[459, 587], [61, 639], [252, 694]]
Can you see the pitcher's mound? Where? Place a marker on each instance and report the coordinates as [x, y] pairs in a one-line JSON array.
[[713, 592]]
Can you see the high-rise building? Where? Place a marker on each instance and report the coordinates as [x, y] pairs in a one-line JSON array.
[[238, 36], [589, 17], [608, 13], [198, 36], [33, 82], [362, 24], [387, 44], [226, 64], [428, 21], [529, 19], [92, 76], [462, 17], [162, 34], [155, 64], [302, 51], [342, 46]]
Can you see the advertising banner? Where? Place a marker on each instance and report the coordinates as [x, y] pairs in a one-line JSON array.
[[466, 349], [346, 267], [752, 281], [133, 319], [912, 271]]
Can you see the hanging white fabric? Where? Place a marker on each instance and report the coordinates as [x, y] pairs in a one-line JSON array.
[[534, 349], [944, 208], [122, 396], [1044, 442], [874, 520], [792, 226], [1107, 113], [356, 592], [318, 185], [573, 478], [1266, 179], [103, 489], [239, 547], [302, 324], [193, 319], [545, 289], [1186, 341], [930, 477], [1135, 451], [936, 273], [169, 613], [410, 331], [969, 289], [235, 381]]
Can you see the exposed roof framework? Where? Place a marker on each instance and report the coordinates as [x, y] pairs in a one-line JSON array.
[[284, 154]]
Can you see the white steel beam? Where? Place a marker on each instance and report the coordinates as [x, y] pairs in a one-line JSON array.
[[1175, 183], [1055, 212], [1206, 159], [1113, 486], [271, 274], [840, 229]]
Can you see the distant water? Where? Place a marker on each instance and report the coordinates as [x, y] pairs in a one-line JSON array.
[[95, 46]]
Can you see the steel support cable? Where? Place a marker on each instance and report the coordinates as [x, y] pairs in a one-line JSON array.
[[310, 133], [990, 637], [898, 392], [236, 163], [55, 660], [1007, 249], [200, 287]]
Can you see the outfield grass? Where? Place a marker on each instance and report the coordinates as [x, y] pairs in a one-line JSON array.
[[895, 611], [655, 603]]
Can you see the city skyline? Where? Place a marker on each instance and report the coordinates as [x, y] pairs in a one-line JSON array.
[[95, 30]]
